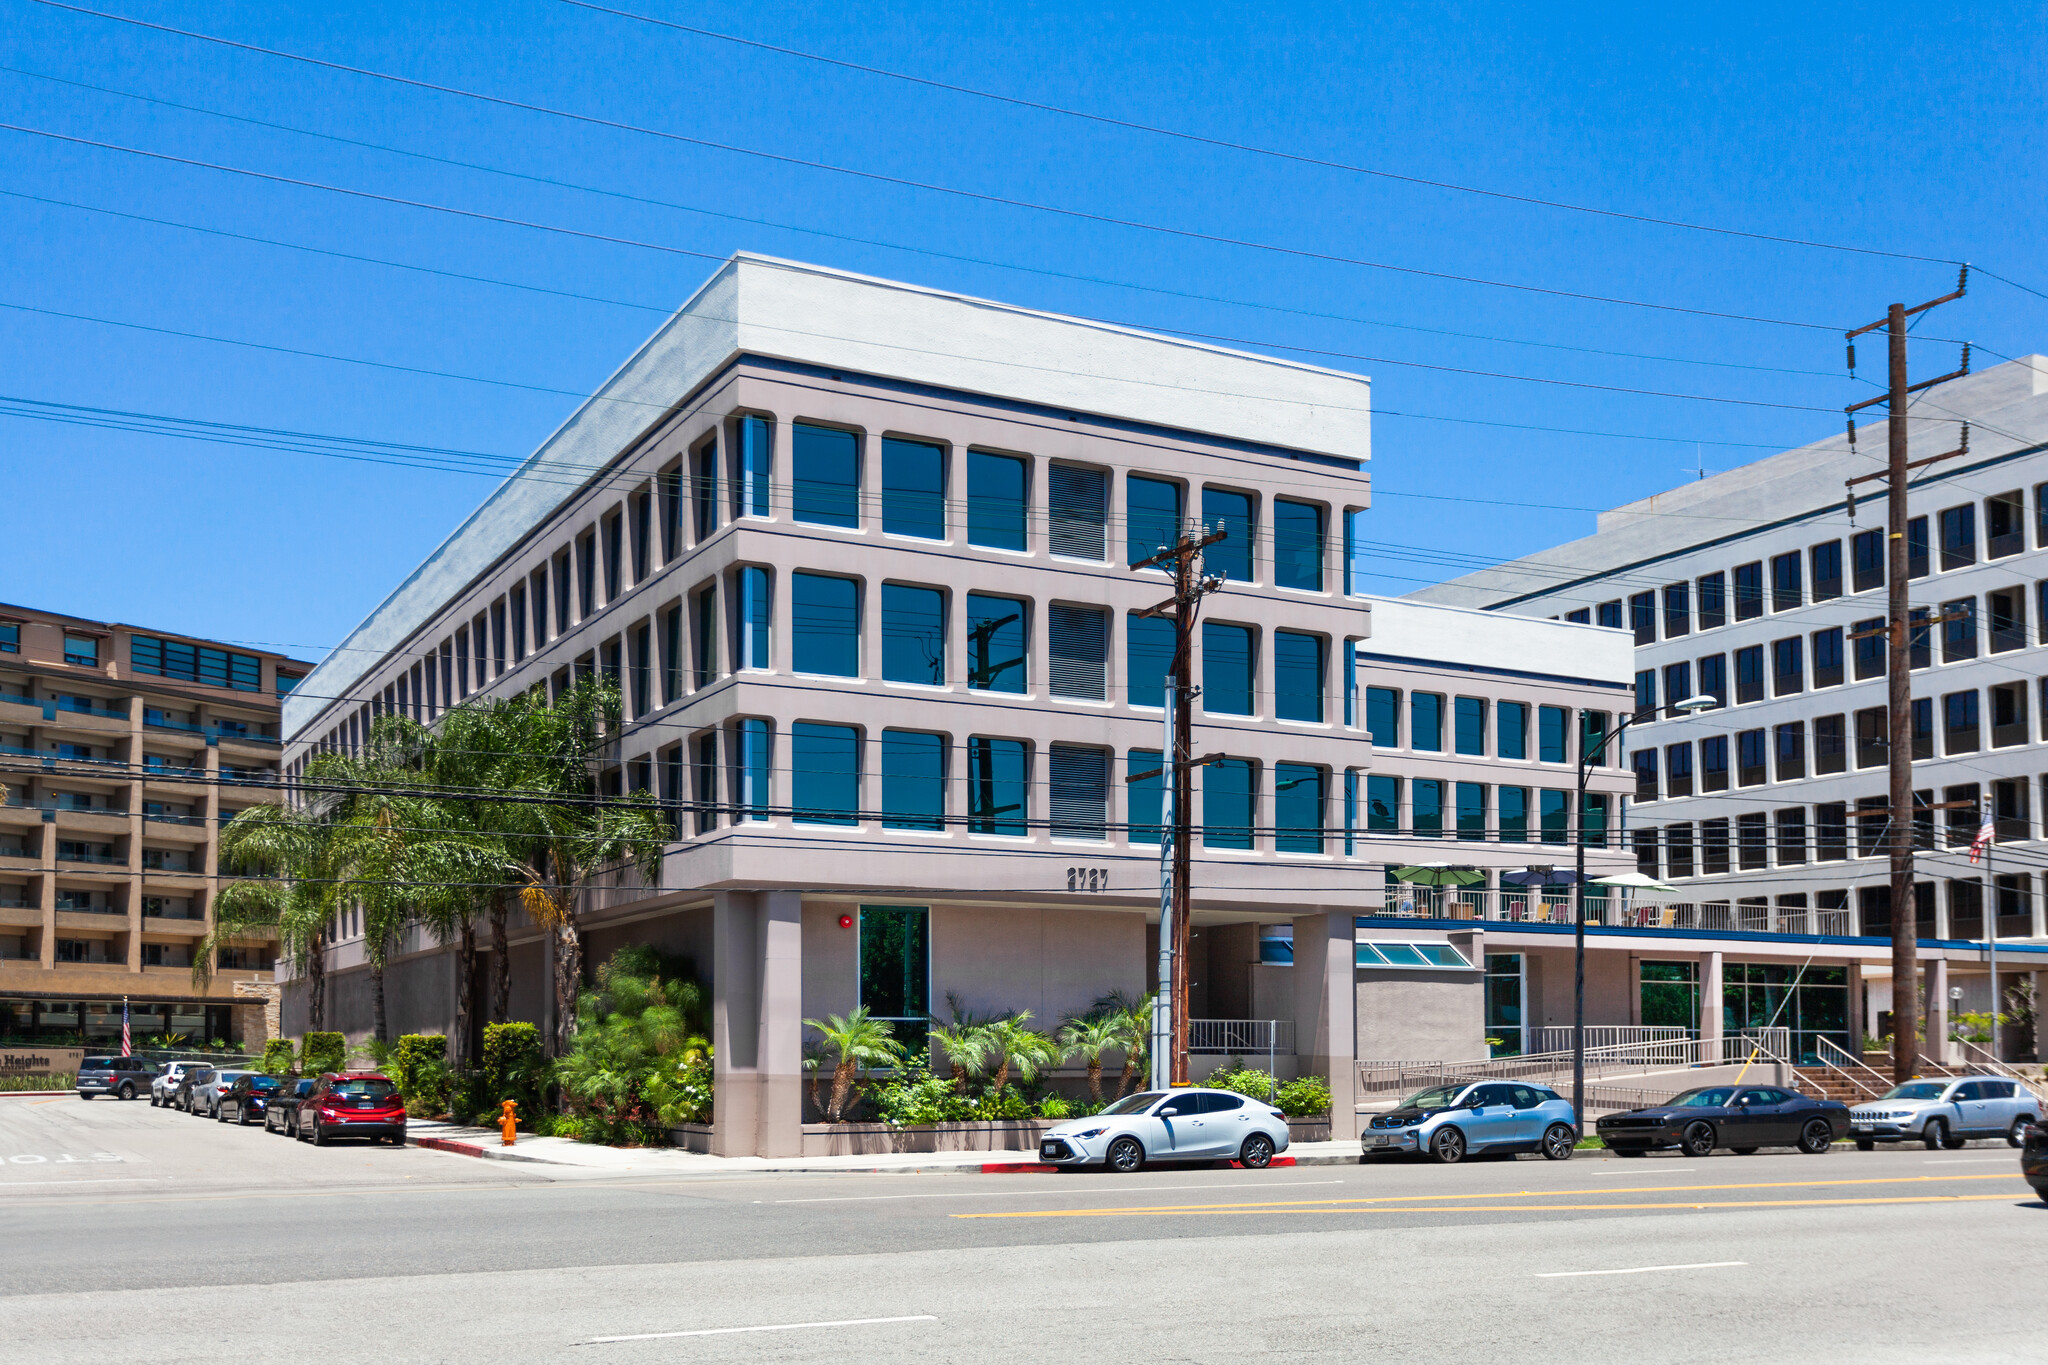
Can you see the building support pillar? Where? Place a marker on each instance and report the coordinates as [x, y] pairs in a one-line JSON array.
[[1710, 998], [757, 1023], [1857, 1027], [1936, 969], [1326, 1012], [2040, 1033]]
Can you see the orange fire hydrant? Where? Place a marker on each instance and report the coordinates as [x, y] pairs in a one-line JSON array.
[[510, 1125]]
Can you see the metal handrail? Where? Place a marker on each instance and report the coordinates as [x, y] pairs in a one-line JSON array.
[[1771, 1044], [1824, 1045], [1977, 1058], [1245, 1037]]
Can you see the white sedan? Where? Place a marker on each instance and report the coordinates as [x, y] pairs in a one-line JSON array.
[[1169, 1125]]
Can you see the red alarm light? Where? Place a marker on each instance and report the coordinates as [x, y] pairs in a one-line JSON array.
[[846, 921]]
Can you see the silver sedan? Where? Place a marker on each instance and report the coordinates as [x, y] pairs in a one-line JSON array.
[[1170, 1125]]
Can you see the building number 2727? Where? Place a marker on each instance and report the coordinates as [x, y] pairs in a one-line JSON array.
[[1087, 879]]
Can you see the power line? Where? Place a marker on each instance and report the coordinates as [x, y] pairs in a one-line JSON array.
[[1188, 234]]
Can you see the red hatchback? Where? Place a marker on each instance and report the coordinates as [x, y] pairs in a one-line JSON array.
[[352, 1104]]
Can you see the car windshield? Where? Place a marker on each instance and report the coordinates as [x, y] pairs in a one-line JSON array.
[[98, 1064], [1916, 1090], [1133, 1104], [1711, 1097], [1436, 1097], [365, 1088], [265, 1083]]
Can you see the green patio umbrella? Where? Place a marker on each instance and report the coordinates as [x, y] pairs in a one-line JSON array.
[[1439, 874]]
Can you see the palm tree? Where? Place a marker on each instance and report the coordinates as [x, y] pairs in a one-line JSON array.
[[1133, 1018], [286, 856], [1089, 1036], [966, 1045], [859, 1042], [1010, 1043]]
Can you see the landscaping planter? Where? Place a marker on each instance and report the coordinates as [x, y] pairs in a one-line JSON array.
[[691, 1137], [873, 1139], [1309, 1130]]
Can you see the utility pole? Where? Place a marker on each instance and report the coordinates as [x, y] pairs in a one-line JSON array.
[[1190, 585], [1898, 665]]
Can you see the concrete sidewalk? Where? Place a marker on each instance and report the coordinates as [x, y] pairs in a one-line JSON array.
[[552, 1151]]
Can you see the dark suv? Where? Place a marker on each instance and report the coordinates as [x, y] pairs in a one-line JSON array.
[[126, 1077]]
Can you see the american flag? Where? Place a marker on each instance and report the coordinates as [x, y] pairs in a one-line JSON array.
[[127, 1045], [1986, 833]]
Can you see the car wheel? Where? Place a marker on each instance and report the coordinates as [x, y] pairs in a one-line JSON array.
[[1863, 1145], [1559, 1141], [319, 1136], [127, 1091], [1628, 1151], [1257, 1152], [1448, 1146], [1935, 1134], [1743, 1151], [1126, 1154], [84, 1095], [1816, 1137], [220, 1113], [2016, 1136], [1698, 1139]]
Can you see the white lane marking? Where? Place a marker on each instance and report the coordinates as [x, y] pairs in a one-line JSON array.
[[1635, 1270], [1969, 1161], [1006, 1194], [772, 1327], [110, 1180], [1637, 1170]]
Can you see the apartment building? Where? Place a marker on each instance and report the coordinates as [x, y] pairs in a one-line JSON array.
[[123, 750], [1762, 589], [860, 557]]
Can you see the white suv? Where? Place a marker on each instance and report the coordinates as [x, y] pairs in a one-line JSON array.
[[164, 1088], [1946, 1112]]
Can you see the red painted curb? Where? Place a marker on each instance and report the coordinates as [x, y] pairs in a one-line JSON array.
[[1026, 1168], [449, 1145]]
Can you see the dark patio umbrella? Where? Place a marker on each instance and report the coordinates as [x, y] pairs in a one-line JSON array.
[[1556, 876]]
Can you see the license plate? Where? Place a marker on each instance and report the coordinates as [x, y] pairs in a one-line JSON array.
[[1382, 1142]]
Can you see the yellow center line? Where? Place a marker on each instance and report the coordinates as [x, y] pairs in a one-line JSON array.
[[1281, 1205], [1227, 1210]]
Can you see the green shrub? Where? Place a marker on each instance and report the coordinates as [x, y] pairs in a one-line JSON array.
[[683, 1093], [1055, 1107], [914, 1095], [277, 1057], [513, 1069], [1305, 1097], [41, 1080], [637, 1059], [321, 1052], [1242, 1081], [1005, 1103], [418, 1068]]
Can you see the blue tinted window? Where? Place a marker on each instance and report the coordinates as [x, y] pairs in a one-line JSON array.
[[1232, 555], [913, 489], [1382, 802], [754, 764], [1428, 798], [1426, 722], [754, 603], [913, 635], [1148, 658], [825, 479], [1514, 815], [1297, 808], [995, 501], [1471, 797], [1226, 669], [1227, 803], [1147, 797], [1297, 675], [824, 776], [913, 780], [1151, 517], [1297, 545], [1354, 553], [995, 643], [1383, 716], [825, 629], [1469, 725], [756, 444], [1550, 733], [1556, 815], [1512, 729], [998, 774]]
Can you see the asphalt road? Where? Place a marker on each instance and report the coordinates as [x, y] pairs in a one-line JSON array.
[[136, 1235]]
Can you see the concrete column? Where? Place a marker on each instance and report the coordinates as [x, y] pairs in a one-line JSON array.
[[780, 1029], [735, 1023], [1857, 1026], [2040, 1033], [1710, 997], [1326, 1013], [1937, 1044], [2037, 911]]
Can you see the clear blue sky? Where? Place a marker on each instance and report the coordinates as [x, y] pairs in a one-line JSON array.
[[1812, 121]]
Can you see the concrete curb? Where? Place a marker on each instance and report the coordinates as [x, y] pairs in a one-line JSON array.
[[440, 1144]]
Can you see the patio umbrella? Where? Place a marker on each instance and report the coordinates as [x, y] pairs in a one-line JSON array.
[[1636, 881], [1557, 876], [1439, 874]]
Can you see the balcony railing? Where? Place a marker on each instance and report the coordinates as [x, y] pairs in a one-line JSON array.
[[98, 859], [1552, 1038], [197, 820], [159, 721], [80, 707], [1242, 1037], [1611, 911], [73, 908]]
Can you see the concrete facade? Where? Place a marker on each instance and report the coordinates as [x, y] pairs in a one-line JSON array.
[[123, 750], [756, 615]]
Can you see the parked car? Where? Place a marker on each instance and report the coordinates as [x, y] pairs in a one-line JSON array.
[[352, 1104], [125, 1077], [1740, 1118], [194, 1079], [205, 1095], [1946, 1112], [1449, 1122], [2034, 1158], [163, 1090], [1170, 1125], [248, 1098], [281, 1110]]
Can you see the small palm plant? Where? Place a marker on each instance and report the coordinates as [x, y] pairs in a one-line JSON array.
[[1011, 1043], [1088, 1037], [859, 1041], [1134, 1023], [966, 1044]]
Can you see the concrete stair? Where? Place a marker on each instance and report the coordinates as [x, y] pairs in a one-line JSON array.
[[1825, 1084]]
